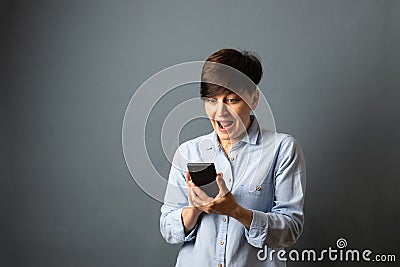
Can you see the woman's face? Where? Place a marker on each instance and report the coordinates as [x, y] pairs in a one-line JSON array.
[[230, 114]]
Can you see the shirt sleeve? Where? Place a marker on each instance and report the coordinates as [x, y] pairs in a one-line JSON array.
[[171, 224], [284, 224]]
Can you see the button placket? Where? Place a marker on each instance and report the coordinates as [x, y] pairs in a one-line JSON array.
[[231, 155], [221, 238], [234, 151], [227, 167]]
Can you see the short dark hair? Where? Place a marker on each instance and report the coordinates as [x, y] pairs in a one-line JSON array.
[[245, 62]]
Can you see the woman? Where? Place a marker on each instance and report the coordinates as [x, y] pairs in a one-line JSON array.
[[261, 177]]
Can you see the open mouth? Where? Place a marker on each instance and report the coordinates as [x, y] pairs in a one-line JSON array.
[[223, 125]]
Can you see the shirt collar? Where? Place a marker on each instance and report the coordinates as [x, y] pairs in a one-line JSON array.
[[252, 133]]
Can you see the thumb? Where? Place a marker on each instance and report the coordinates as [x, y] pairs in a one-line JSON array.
[[221, 185]]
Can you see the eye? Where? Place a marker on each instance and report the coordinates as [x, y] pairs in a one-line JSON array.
[[232, 100], [211, 101]]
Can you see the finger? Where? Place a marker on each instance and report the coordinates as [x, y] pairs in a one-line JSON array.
[[192, 198], [196, 200], [188, 177], [221, 185], [200, 193], [191, 184], [192, 192], [202, 198]]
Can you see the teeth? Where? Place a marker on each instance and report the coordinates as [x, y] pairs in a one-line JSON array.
[[226, 123]]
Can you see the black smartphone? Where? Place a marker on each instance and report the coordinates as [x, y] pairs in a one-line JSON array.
[[203, 175]]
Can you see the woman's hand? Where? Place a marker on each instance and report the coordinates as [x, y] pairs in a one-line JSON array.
[[221, 204], [191, 194], [224, 203], [190, 214]]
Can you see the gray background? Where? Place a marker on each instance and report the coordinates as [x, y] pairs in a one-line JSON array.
[[69, 69]]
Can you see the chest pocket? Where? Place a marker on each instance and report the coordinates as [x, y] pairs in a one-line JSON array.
[[257, 196]]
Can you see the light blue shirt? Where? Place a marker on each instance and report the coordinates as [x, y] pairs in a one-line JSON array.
[[265, 172]]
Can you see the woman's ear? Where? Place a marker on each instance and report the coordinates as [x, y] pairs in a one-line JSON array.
[[254, 99]]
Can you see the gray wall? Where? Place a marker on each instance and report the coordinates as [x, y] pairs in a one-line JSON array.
[[69, 69]]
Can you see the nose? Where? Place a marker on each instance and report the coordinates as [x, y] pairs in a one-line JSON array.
[[222, 109]]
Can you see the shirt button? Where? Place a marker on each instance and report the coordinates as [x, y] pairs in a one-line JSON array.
[[230, 180], [258, 188], [232, 158], [224, 219], [221, 242]]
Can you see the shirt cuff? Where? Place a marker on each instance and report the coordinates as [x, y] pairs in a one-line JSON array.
[[257, 233], [178, 231]]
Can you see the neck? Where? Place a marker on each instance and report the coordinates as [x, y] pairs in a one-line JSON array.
[[227, 145]]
